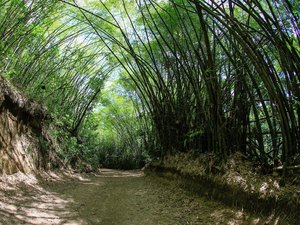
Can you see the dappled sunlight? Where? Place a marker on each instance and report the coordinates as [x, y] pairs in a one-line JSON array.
[[24, 200], [117, 173], [230, 217], [203, 94], [45, 198], [62, 175], [237, 179], [273, 219], [111, 197], [269, 188], [237, 217]]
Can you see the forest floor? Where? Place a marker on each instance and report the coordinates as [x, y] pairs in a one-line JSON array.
[[111, 197]]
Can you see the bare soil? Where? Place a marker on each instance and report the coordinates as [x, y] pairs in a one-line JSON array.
[[111, 197]]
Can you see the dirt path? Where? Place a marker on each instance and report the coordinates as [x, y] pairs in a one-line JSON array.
[[112, 197]]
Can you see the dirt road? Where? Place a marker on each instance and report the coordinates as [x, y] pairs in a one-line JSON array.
[[112, 197]]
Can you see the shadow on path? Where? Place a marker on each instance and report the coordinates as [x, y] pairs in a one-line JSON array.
[[110, 197]]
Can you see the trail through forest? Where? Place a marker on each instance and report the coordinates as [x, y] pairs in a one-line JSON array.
[[112, 197]]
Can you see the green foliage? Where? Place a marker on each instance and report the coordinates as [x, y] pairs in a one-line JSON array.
[[212, 75], [186, 75], [52, 59], [112, 133]]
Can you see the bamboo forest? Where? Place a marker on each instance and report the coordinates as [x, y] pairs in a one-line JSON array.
[[149, 112]]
